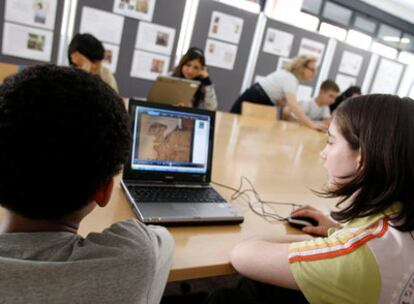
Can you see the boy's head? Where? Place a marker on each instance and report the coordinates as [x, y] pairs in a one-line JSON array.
[[328, 92], [63, 134], [86, 52]]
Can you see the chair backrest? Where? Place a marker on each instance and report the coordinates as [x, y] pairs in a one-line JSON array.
[[259, 110], [7, 69]]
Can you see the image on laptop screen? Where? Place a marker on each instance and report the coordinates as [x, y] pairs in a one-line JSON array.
[[170, 141]]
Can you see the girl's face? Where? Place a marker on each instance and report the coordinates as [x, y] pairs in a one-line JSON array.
[[340, 161], [192, 69], [309, 71]]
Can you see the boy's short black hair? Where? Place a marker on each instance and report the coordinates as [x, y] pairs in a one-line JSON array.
[[87, 45], [63, 134]]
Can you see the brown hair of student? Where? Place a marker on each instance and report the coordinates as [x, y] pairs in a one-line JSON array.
[[329, 85], [382, 128]]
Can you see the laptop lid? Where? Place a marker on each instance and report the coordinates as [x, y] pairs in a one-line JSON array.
[[173, 90], [170, 144]]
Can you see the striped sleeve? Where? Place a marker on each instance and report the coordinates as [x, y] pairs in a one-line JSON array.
[[340, 268]]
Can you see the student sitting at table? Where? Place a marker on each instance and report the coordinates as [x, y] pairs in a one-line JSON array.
[[317, 108], [352, 91], [370, 166], [86, 52], [192, 66], [64, 135]]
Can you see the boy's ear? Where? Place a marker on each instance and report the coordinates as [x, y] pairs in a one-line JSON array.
[[103, 195]]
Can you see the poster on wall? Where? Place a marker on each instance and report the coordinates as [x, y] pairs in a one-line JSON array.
[[345, 81], [225, 27], [105, 26], [148, 65], [350, 63], [37, 13], [312, 48], [304, 92], [138, 9], [277, 42], [111, 56], [388, 77], [281, 63], [27, 42], [155, 38], [220, 54]]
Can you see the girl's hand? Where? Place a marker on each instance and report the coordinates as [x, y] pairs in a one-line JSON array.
[[324, 222], [203, 73]]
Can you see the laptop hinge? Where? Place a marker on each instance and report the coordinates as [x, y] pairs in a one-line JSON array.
[[166, 184]]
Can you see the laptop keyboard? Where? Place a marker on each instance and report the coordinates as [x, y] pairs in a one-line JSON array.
[[175, 194]]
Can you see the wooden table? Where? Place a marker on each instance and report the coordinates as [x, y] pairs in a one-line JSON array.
[[282, 161]]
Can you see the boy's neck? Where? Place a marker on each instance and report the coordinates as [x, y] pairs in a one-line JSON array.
[[13, 222]]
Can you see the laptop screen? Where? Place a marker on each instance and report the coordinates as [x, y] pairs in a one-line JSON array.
[[170, 140]]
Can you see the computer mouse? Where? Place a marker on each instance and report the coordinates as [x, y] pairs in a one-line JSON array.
[[301, 221]]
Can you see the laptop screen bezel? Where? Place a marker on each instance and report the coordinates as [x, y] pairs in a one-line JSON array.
[[130, 174]]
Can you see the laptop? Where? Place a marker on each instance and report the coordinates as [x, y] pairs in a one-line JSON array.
[[173, 90], [167, 177]]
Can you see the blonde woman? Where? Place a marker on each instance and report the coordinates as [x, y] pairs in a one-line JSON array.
[[279, 88]]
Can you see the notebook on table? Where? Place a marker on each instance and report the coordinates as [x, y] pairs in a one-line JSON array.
[[167, 179], [173, 90]]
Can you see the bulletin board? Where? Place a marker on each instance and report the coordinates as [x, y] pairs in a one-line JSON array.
[[165, 13], [387, 76], [30, 36], [349, 66], [228, 77], [269, 59]]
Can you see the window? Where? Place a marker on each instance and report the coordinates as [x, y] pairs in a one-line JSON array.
[[407, 43], [337, 13], [332, 31], [384, 50], [312, 6], [365, 25], [389, 35], [359, 39]]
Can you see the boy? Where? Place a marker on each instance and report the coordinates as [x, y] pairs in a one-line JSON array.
[[317, 109], [64, 135], [87, 53]]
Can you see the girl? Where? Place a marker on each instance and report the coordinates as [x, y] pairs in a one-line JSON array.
[[192, 66], [280, 87], [370, 166]]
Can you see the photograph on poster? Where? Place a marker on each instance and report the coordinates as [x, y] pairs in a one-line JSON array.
[[138, 9], [27, 42], [281, 63], [350, 63], [220, 54], [155, 38], [37, 13], [111, 56], [344, 81], [36, 42], [225, 27], [312, 48], [278, 43], [387, 78], [148, 65], [105, 26]]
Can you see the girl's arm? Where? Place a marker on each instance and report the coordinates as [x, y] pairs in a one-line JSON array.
[[264, 262]]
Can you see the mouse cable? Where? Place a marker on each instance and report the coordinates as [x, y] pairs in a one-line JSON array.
[[262, 212]]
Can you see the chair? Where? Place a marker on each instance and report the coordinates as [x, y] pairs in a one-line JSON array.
[[259, 110]]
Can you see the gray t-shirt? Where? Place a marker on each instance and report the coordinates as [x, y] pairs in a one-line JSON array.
[[126, 263], [313, 111], [278, 83]]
